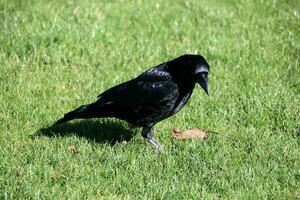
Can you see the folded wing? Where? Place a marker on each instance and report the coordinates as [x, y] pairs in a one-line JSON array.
[[146, 99]]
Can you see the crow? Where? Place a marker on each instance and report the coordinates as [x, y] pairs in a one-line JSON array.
[[153, 96]]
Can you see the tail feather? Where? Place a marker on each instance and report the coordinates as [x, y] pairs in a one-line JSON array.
[[81, 112]]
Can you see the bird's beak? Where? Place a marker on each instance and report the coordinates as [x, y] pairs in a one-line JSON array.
[[203, 81]]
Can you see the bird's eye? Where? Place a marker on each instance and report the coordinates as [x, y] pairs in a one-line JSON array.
[[201, 69], [205, 74]]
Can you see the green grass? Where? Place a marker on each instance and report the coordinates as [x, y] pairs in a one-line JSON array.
[[57, 55]]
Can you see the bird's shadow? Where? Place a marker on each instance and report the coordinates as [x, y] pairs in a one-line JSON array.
[[99, 131]]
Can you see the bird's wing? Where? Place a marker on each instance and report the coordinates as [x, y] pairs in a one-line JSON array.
[[153, 89]]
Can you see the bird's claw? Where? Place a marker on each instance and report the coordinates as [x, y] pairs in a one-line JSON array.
[[155, 145]]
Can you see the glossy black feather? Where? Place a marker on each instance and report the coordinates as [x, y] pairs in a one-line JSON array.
[[146, 99]]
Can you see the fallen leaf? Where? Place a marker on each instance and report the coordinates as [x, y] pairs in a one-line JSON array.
[[72, 149], [55, 175], [72, 66], [191, 133], [20, 173], [124, 142]]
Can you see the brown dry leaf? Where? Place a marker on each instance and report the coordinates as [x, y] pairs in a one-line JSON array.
[[72, 149], [20, 173], [72, 66], [55, 175], [191, 133], [124, 142]]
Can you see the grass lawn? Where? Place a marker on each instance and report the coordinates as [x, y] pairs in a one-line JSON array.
[[57, 55]]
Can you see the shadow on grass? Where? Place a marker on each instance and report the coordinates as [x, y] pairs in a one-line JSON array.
[[100, 131]]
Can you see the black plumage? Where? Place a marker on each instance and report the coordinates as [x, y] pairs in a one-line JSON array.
[[156, 94]]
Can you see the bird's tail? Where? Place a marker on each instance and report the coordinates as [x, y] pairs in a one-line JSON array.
[[84, 111]]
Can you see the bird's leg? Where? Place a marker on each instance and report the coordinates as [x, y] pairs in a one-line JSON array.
[[147, 134]]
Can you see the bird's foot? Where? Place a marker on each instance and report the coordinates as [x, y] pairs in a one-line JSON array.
[[155, 145]]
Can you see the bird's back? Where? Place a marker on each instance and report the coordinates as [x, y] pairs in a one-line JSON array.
[[146, 99]]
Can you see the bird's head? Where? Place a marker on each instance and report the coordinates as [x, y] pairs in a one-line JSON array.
[[200, 73], [195, 68]]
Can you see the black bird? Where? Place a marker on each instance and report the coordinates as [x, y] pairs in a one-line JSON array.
[[156, 94]]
